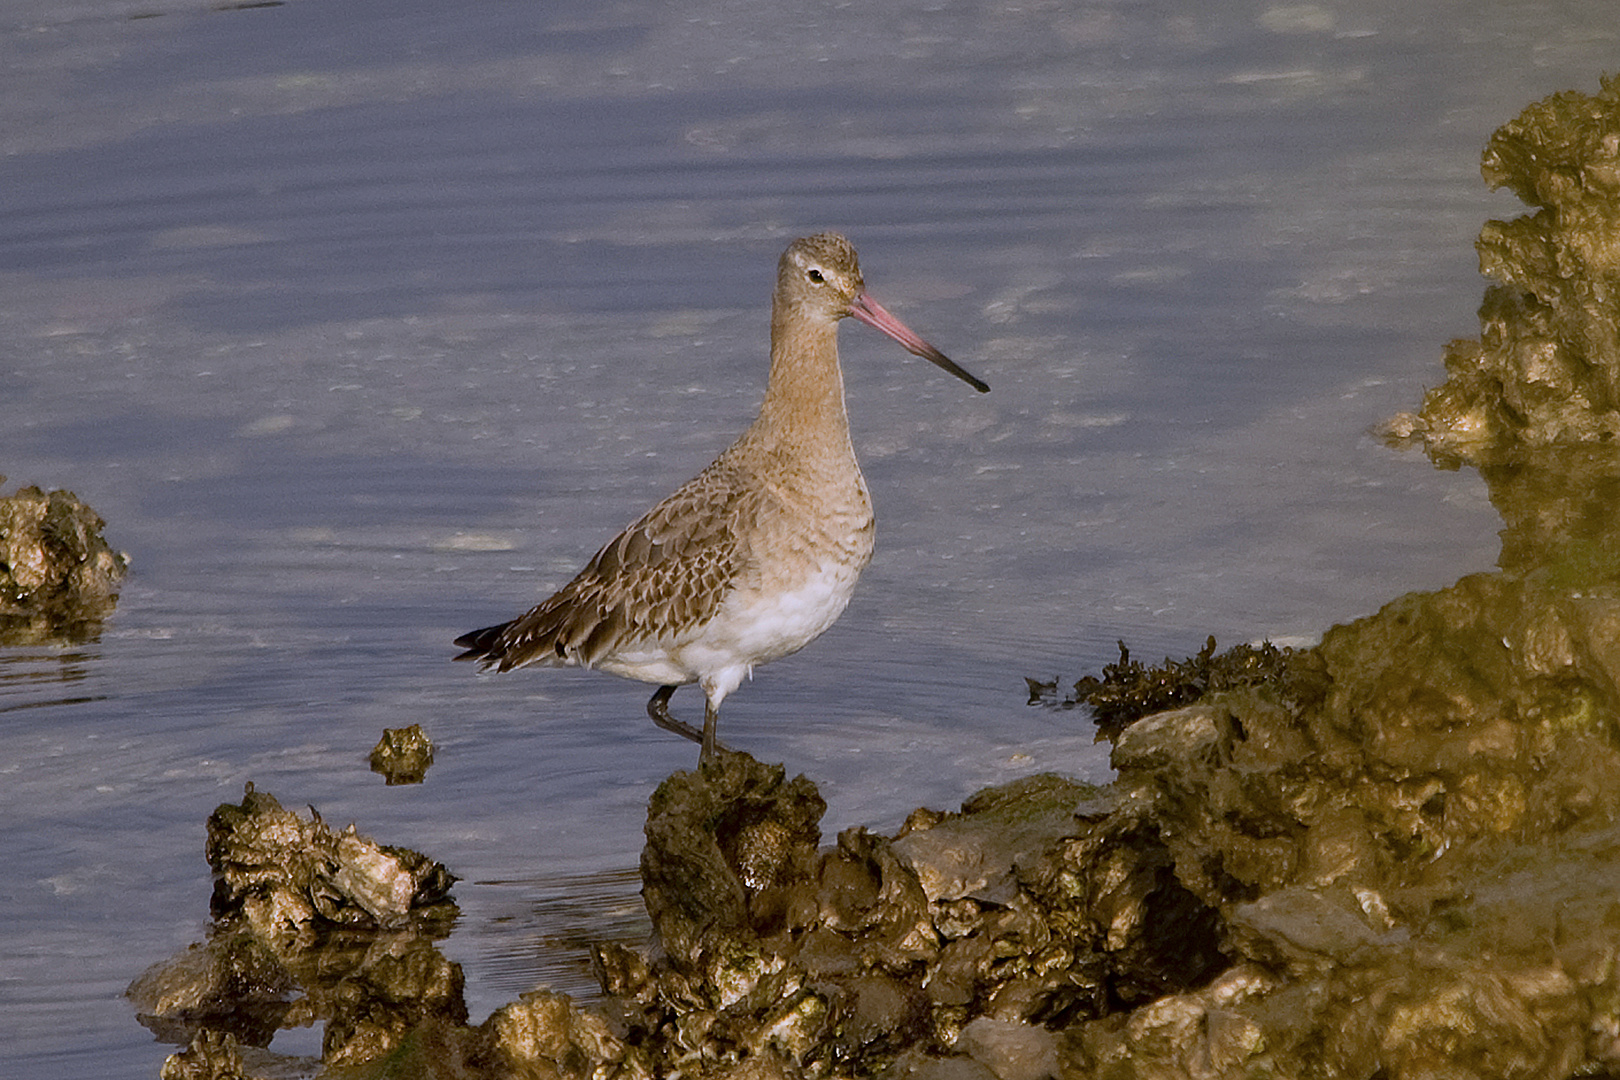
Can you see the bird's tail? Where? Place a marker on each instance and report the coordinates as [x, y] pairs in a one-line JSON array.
[[480, 644]]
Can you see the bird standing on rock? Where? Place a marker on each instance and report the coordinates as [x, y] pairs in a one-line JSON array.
[[756, 556]]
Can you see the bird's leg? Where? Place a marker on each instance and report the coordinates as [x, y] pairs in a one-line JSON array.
[[711, 720], [658, 709]]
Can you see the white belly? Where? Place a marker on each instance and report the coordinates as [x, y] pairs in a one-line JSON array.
[[753, 626], [759, 627], [805, 562]]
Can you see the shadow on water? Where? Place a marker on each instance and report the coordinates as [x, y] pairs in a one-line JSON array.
[[1390, 854]]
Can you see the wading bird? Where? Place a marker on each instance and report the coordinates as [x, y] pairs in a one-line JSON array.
[[757, 555]]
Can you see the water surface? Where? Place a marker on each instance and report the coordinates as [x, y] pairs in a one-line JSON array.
[[365, 323]]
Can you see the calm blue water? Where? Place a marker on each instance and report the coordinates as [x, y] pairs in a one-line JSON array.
[[364, 323]]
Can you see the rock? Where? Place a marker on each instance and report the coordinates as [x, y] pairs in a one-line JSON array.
[[402, 755], [375, 996], [1546, 368], [212, 1055], [975, 854], [311, 925], [1014, 909], [1177, 739], [1306, 932], [545, 1036], [233, 983], [1195, 1035], [288, 873], [916, 1065], [731, 850], [58, 577], [1011, 1049]]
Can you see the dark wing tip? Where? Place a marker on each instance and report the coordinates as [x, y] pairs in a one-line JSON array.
[[480, 644]]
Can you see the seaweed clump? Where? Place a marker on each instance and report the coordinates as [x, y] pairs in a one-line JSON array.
[[1129, 689]]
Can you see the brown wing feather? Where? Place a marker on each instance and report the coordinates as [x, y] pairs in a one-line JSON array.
[[669, 570]]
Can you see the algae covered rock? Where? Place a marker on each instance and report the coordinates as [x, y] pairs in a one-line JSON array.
[[402, 755], [310, 925], [1407, 857], [730, 849], [1412, 870], [544, 1034], [320, 926], [58, 577], [212, 1055], [286, 873], [1545, 369], [234, 983], [956, 945], [1407, 835]]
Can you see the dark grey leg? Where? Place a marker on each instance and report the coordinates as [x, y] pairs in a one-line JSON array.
[[711, 720], [658, 709]]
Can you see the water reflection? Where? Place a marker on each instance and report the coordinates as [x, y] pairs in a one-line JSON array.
[[546, 927], [30, 676]]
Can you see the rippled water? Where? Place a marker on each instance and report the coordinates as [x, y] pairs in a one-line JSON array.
[[363, 323]]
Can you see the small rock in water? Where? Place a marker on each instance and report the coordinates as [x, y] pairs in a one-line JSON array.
[[58, 577], [402, 755], [232, 983]]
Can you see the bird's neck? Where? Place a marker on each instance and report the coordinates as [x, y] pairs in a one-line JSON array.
[[804, 401]]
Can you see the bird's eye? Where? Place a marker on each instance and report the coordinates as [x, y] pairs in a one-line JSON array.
[[815, 275]]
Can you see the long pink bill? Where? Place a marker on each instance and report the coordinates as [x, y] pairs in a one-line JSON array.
[[873, 314]]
